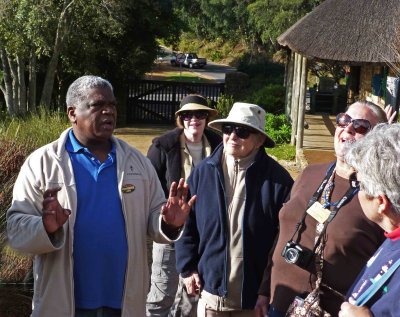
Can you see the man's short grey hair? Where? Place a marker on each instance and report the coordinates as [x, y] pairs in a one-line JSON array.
[[378, 111], [376, 158], [77, 91]]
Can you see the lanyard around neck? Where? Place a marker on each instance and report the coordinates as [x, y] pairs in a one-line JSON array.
[[353, 189]]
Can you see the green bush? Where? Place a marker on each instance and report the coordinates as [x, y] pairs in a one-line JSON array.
[[189, 43], [271, 98], [224, 105], [217, 50], [262, 66], [278, 127]]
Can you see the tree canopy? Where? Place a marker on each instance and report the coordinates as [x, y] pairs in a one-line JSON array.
[[255, 21], [45, 44], [51, 42]]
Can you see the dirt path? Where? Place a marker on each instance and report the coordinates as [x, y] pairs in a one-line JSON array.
[[140, 135]]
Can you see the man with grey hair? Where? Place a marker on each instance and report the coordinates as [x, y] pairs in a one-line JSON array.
[[376, 158], [83, 206], [319, 191]]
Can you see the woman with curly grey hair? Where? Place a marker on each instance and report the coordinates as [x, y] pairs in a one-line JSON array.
[[376, 158]]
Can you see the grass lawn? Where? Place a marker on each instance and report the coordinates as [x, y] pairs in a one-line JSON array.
[[285, 152]]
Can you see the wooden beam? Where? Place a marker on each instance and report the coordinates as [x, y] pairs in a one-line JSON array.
[[295, 97], [289, 84], [302, 103]]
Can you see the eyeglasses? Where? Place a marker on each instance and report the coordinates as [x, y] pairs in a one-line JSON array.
[[361, 126], [188, 115], [240, 131]]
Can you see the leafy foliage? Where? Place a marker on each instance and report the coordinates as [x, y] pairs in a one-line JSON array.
[[224, 19], [278, 127], [262, 67], [327, 69], [113, 39], [18, 138], [270, 97], [255, 22], [224, 105]]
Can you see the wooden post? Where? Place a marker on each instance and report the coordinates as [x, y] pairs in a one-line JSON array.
[[302, 103], [354, 84], [289, 85], [295, 97]]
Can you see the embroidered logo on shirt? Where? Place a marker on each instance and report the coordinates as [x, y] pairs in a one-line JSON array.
[[128, 188], [132, 171]]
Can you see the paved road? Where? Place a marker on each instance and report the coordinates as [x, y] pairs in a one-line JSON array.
[[215, 71], [212, 70]]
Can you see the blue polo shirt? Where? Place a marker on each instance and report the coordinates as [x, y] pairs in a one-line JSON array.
[[100, 246]]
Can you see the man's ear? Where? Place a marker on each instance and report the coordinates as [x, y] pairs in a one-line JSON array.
[[384, 204], [71, 112]]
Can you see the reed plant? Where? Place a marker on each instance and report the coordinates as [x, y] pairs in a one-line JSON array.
[[35, 129], [19, 136]]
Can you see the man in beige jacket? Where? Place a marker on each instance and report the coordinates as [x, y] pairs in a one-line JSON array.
[[83, 206]]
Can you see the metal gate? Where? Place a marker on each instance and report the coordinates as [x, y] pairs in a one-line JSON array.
[[154, 101]]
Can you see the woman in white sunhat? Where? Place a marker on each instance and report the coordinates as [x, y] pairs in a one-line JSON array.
[[224, 248], [174, 155]]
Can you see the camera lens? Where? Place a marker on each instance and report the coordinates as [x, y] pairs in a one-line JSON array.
[[291, 255]]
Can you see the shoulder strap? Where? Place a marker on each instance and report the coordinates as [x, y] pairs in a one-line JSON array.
[[366, 296]]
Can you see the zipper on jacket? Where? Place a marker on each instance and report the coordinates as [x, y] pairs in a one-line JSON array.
[[229, 211], [234, 183]]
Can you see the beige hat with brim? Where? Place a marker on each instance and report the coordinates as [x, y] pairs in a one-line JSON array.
[[245, 114], [196, 102]]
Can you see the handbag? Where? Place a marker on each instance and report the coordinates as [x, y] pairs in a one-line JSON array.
[[307, 307]]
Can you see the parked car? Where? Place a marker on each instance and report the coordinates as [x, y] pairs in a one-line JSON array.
[[190, 60]]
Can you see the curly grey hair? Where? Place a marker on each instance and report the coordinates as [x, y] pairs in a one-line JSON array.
[[77, 91], [376, 158]]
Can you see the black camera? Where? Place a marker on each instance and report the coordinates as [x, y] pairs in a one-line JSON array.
[[294, 253]]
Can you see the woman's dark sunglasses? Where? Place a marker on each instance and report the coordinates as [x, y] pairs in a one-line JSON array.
[[240, 131], [188, 115], [361, 126]]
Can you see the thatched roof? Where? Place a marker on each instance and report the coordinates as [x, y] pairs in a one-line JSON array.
[[349, 31]]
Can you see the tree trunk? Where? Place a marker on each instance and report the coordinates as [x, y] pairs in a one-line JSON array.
[[15, 83], [7, 87], [32, 82], [22, 106], [61, 35]]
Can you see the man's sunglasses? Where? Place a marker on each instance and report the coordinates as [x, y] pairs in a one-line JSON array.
[[361, 126], [188, 115], [240, 131]]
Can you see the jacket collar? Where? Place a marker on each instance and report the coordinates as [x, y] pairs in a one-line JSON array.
[[58, 146]]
